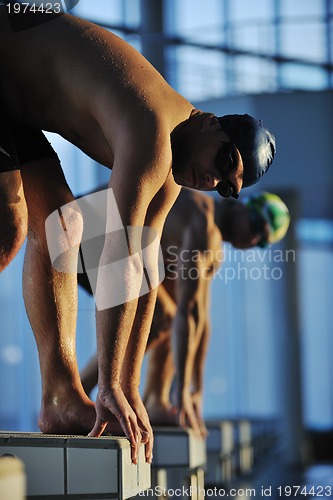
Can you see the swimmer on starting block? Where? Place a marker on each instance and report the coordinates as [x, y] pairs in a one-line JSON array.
[[62, 74]]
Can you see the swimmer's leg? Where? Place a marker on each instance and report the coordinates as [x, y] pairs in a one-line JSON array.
[[159, 377], [51, 302]]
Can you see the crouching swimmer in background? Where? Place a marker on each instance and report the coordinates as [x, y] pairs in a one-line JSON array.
[[191, 242]]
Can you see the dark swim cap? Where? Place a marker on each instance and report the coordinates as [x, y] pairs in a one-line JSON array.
[[255, 144]]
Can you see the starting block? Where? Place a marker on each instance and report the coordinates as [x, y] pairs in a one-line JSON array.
[[235, 448], [221, 458], [229, 450], [244, 445], [178, 464], [77, 466]]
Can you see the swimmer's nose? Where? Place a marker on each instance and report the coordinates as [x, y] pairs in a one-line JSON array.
[[211, 181]]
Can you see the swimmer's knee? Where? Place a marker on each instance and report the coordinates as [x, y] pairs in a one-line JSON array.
[[64, 228], [72, 223], [58, 217]]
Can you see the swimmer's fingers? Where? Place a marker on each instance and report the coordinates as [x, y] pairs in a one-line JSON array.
[[109, 403]]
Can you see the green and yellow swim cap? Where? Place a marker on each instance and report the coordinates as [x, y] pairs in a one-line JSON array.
[[273, 211]]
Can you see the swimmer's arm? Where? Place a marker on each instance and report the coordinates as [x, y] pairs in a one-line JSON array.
[[200, 359], [156, 215], [187, 328], [201, 353], [199, 363], [137, 178], [140, 170]]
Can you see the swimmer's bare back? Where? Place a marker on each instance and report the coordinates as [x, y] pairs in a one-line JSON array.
[[77, 79]]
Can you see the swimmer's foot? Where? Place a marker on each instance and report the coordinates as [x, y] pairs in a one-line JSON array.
[[73, 416]]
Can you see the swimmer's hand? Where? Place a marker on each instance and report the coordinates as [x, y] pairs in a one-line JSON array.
[[147, 437], [111, 402], [189, 414]]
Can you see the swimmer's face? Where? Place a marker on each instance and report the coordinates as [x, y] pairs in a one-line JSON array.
[[247, 229], [205, 157]]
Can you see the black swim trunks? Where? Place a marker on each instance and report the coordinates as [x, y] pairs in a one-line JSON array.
[[20, 144]]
